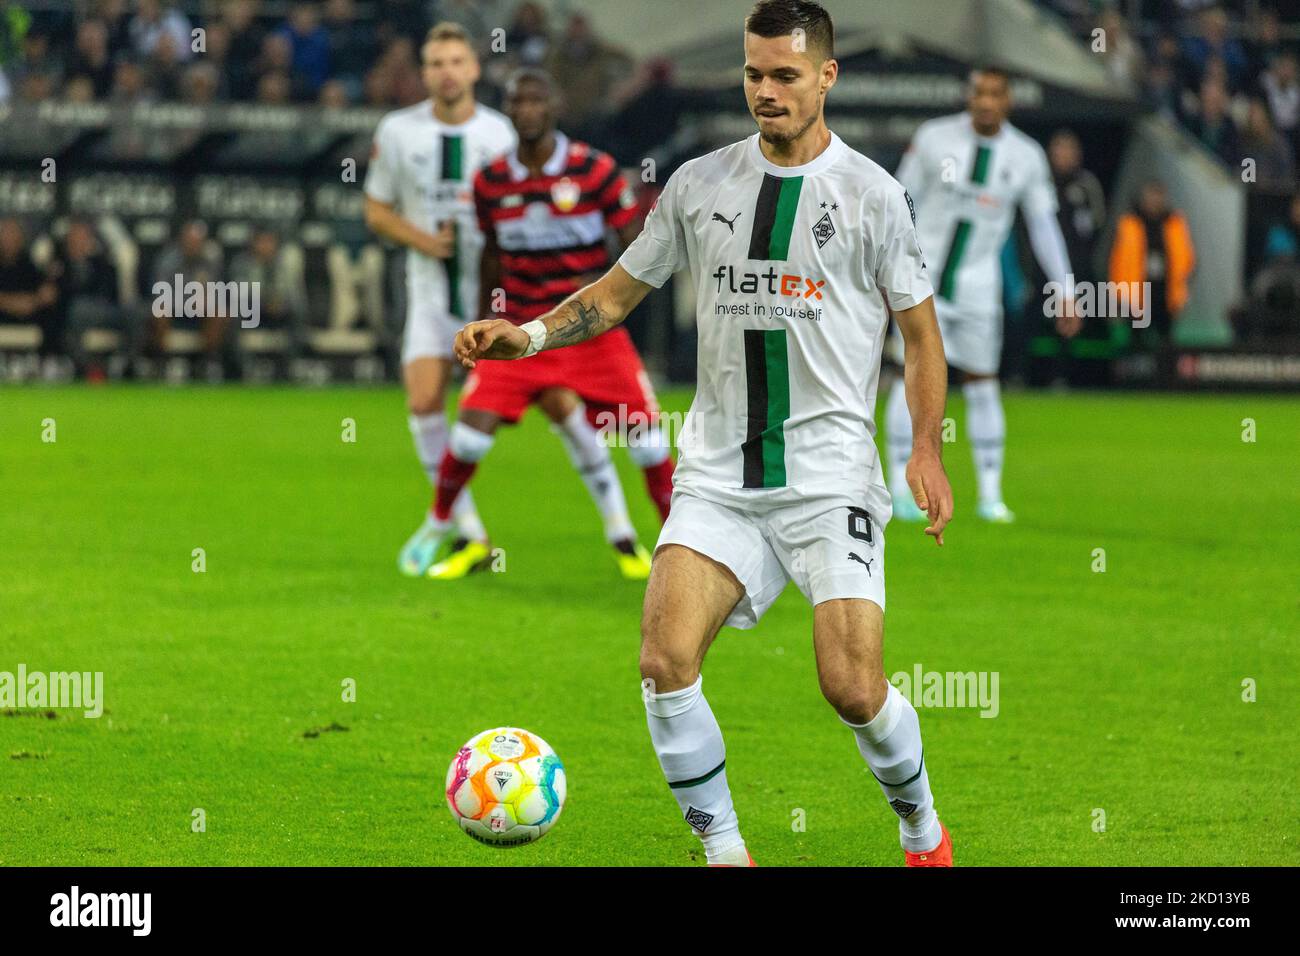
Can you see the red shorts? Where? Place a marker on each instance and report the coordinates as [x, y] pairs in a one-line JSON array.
[[606, 372]]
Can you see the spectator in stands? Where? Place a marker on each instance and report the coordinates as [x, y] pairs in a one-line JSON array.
[[586, 70], [36, 88], [130, 85], [1283, 240], [276, 58], [194, 259], [27, 294], [79, 89], [353, 45], [1153, 244], [1122, 55], [1281, 85], [282, 289], [395, 79], [275, 89], [1213, 126], [38, 58], [1269, 150], [246, 36], [154, 20], [91, 58], [90, 297], [165, 67], [200, 83], [116, 17], [1081, 202], [335, 95], [309, 50], [1212, 40], [528, 38], [1265, 43], [217, 56]]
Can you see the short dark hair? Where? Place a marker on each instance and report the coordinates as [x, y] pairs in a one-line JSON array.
[[778, 18], [529, 74], [991, 69]]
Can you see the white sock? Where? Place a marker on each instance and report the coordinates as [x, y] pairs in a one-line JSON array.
[[987, 427], [891, 745], [593, 463], [688, 743], [898, 435], [430, 434]]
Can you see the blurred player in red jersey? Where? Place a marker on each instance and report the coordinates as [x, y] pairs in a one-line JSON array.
[[544, 212]]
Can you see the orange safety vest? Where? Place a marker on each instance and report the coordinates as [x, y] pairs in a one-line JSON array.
[[1128, 259]]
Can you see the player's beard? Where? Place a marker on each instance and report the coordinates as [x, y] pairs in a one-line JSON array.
[[785, 139]]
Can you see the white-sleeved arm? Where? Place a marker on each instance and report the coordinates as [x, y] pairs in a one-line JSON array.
[[660, 249], [382, 173], [1039, 205], [1049, 248], [898, 266], [912, 172]]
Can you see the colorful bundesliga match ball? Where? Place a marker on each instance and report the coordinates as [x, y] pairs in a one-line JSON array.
[[506, 787]]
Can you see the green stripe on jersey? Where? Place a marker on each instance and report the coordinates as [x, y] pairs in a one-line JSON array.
[[774, 215], [453, 164], [957, 249], [767, 383], [980, 171]]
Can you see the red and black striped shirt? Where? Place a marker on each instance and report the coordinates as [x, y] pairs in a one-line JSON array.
[[550, 229]]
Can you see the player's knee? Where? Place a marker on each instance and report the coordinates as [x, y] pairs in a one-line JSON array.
[[665, 662], [666, 671], [424, 403], [855, 699]]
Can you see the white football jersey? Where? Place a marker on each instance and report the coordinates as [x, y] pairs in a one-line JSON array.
[[792, 267], [426, 167], [966, 188]]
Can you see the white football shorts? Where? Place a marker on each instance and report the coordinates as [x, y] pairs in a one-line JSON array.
[[828, 551]]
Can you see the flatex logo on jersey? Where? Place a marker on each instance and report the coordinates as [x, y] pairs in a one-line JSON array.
[[801, 291]]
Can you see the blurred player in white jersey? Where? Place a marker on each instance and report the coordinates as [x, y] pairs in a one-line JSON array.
[[419, 194], [967, 174]]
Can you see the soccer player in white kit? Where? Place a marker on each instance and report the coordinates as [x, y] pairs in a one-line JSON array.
[[794, 243], [419, 194], [967, 174]]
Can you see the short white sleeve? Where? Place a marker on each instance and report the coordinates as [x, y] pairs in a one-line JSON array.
[[382, 173], [898, 266], [1039, 198], [660, 249], [912, 172]]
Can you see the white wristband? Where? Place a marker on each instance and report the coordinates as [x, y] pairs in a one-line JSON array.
[[536, 330]]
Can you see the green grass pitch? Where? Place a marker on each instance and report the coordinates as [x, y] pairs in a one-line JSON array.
[[1119, 692]]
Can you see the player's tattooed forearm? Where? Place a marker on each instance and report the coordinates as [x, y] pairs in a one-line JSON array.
[[578, 322]]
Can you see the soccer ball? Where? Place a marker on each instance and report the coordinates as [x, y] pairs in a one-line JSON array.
[[506, 787]]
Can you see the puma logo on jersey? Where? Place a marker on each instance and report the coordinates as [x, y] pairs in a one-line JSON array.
[[866, 564], [731, 223]]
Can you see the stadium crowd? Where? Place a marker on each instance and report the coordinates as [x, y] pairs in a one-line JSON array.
[[333, 52], [1226, 72]]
